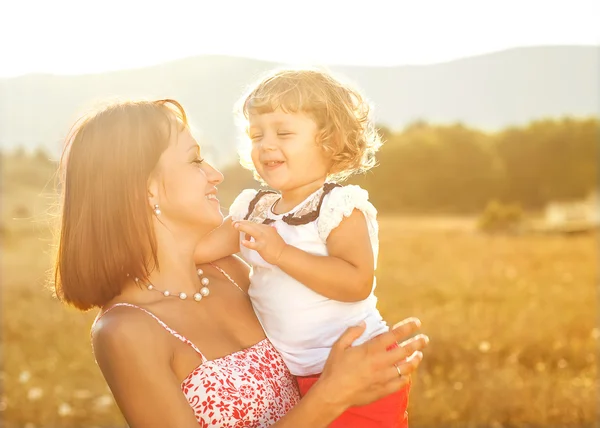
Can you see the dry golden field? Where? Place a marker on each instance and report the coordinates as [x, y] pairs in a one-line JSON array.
[[512, 320]]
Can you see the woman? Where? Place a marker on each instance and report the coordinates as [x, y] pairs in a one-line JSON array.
[[180, 345]]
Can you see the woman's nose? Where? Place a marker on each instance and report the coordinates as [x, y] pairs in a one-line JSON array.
[[214, 175]]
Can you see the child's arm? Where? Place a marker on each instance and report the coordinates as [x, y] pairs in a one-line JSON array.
[[224, 240], [221, 242], [345, 275]]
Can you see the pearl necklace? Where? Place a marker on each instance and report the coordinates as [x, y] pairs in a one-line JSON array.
[[204, 291]]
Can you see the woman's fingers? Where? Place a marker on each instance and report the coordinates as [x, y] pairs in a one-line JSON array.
[[408, 365], [378, 367], [399, 368], [392, 382], [416, 343], [398, 333], [405, 322], [395, 384], [348, 337], [407, 348], [405, 328]]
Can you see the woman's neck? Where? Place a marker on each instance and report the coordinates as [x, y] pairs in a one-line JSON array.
[[176, 268]]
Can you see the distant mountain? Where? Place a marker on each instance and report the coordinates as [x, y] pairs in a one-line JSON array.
[[488, 92]]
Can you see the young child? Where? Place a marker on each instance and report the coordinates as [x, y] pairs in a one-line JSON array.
[[313, 243]]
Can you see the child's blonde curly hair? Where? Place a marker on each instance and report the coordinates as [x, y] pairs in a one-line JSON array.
[[343, 116]]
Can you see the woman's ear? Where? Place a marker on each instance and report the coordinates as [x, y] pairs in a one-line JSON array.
[[153, 191]]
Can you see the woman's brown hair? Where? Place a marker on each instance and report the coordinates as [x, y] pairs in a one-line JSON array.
[[106, 222]]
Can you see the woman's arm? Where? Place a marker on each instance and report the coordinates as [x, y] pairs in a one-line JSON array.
[[346, 274], [221, 242], [136, 366]]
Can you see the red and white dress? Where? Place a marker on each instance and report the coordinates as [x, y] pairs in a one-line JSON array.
[[249, 388]]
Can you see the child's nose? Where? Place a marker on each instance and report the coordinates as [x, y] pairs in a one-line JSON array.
[[269, 143]]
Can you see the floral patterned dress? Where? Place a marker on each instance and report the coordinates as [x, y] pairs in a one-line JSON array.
[[249, 388]]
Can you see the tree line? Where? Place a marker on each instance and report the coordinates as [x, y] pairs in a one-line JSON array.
[[433, 168], [428, 168]]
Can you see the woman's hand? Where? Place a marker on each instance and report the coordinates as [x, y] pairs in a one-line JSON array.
[[359, 375]]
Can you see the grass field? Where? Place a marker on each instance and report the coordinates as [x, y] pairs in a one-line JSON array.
[[512, 321]]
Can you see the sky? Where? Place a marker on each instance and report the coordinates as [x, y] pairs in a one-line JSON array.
[[82, 36]]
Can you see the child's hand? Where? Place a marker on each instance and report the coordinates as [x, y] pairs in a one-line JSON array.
[[267, 241]]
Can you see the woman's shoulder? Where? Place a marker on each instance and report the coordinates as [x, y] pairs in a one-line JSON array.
[[127, 344], [123, 325]]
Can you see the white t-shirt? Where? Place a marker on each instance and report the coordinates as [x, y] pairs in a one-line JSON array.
[[302, 324]]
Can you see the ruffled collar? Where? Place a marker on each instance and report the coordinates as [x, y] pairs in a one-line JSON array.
[[260, 208]]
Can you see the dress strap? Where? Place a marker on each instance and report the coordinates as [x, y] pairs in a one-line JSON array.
[[165, 326], [226, 275]]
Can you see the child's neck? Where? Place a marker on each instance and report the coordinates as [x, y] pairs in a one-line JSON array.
[[291, 198]]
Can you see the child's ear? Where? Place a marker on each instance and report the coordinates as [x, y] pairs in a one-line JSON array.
[[332, 168], [327, 149], [333, 165]]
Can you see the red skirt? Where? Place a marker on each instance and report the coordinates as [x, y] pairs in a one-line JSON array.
[[388, 412]]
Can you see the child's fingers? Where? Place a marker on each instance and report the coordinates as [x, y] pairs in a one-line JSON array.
[[247, 235], [248, 227], [250, 244]]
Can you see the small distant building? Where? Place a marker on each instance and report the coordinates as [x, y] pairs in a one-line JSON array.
[[582, 214]]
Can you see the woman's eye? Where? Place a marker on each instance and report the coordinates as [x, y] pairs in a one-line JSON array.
[[198, 161]]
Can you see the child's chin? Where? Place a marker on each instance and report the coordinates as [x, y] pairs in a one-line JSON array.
[[274, 183]]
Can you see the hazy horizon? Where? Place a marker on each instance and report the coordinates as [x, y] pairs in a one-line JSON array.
[[291, 64], [60, 38]]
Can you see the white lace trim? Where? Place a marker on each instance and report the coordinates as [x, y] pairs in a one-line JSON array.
[[309, 205], [337, 205], [239, 207], [262, 209]]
